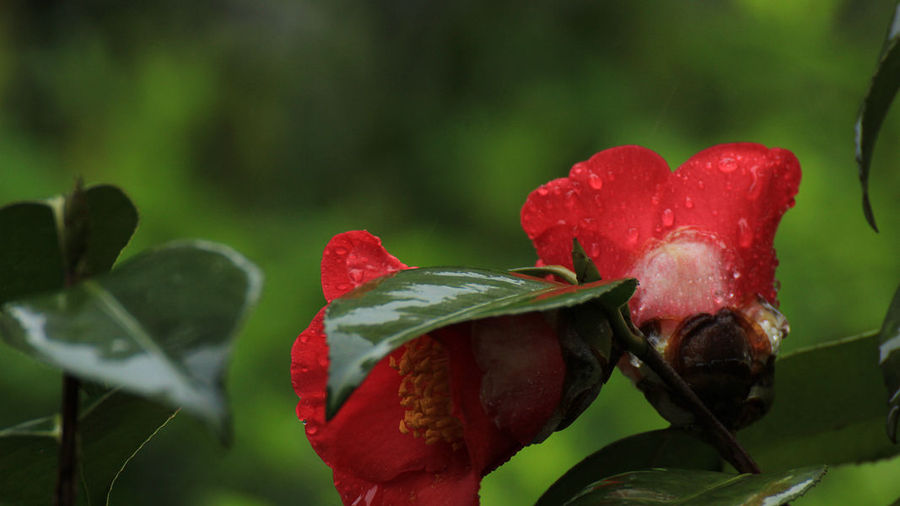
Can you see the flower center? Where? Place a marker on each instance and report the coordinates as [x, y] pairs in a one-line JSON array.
[[425, 393]]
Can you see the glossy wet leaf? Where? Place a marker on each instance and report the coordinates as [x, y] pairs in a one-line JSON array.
[[673, 448], [889, 351], [160, 325], [829, 409], [585, 270], [366, 324], [112, 430], [874, 109], [30, 256], [692, 487]]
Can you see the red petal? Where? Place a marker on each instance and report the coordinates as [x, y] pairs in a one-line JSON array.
[[623, 201], [457, 486], [609, 203], [739, 192], [351, 259], [523, 372], [363, 439]]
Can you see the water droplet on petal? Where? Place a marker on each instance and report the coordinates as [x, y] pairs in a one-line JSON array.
[[688, 203], [595, 181], [356, 275], [340, 250], [745, 234], [344, 287], [323, 360], [668, 218], [577, 170], [700, 184], [598, 200], [736, 275], [542, 191], [312, 429], [727, 165], [632, 236], [595, 250]]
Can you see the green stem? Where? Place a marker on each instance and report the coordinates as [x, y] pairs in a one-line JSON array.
[[635, 342], [67, 472]]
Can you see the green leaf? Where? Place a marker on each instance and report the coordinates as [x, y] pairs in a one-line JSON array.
[[692, 487], [365, 325], [160, 325], [585, 270], [889, 337], [882, 90], [660, 448], [112, 430], [31, 259], [829, 409], [30, 256], [112, 221]]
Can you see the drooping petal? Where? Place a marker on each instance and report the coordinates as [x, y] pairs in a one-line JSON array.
[[739, 192], [353, 258]]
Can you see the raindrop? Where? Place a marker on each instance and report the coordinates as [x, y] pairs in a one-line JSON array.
[[688, 203], [632, 236], [344, 287], [304, 338], [312, 429], [356, 275], [745, 234], [542, 191], [727, 165], [654, 199], [577, 170], [611, 176], [668, 218], [736, 275], [340, 250], [323, 360], [700, 184], [595, 250], [595, 181]]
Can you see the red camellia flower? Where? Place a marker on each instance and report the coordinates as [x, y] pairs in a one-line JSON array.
[[437, 414], [699, 241]]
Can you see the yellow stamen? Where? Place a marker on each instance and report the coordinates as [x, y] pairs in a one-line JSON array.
[[425, 393]]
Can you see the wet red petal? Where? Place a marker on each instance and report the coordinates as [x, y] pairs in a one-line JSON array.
[[351, 259], [624, 201]]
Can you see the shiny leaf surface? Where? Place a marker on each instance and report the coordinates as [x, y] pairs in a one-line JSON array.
[[692, 487], [829, 408], [661, 448], [160, 325], [366, 324], [882, 90], [113, 429], [889, 348]]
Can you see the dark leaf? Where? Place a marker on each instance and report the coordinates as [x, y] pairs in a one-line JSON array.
[[112, 221], [889, 337], [692, 487], [30, 257], [160, 325], [829, 408], [882, 90], [661, 448], [112, 430], [366, 324]]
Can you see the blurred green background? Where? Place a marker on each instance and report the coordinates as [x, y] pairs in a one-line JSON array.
[[273, 125]]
